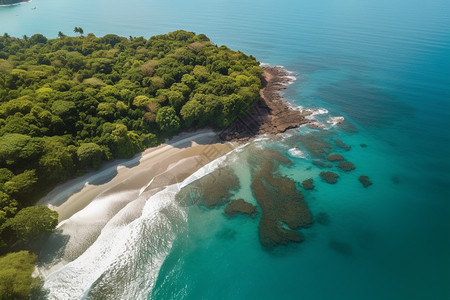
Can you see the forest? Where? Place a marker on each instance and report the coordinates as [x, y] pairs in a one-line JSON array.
[[68, 104]]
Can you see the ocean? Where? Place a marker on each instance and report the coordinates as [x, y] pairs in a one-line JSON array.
[[384, 66]]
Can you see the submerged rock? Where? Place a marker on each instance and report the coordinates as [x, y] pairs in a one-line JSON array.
[[335, 157], [346, 166], [341, 247], [283, 209], [240, 206], [308, 184], [363, 145], [329, 177], [342, 145], [315, 144], [365, 180], [323, 218], [214, 189], [321, 164]]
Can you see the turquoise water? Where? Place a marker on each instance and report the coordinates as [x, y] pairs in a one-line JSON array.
[[382, 65]]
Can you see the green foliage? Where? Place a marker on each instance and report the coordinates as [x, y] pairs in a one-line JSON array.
[[167, 119], [90, 154], [32, 222], [67, 104], [15, 275]]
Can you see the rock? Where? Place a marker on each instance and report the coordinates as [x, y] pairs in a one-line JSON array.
[[363, 145], [323, 218], [240, 206], [214, 189], [329, 177], [346, 166], [365, 180], [308, 184], [342, 145], [271, 114], [341, 247], [335, 157], [283, 209], [321, 164]]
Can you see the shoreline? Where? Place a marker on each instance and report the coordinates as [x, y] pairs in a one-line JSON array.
[[13, 4], [152, 169], [271, 114], [189, 151]]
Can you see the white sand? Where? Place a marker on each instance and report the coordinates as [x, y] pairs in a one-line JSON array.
[[166, 164]]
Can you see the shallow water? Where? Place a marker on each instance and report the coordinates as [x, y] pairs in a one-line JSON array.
[[383, 66]]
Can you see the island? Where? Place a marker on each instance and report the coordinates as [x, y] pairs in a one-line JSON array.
[[69, 104], [11, 2]]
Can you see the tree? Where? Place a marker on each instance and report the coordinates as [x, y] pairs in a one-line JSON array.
[[90, 155], [167, 119], [21, 185], [78, 30], [61, 35], [15, 275], [31, 223]]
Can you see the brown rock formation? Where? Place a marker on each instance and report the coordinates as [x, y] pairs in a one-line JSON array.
[[308, 184], [335, 157], [342, 145], [271, 114], [240, 206], [282, 206], [329, 177], [346, 166], [211, 190], [365, 180], [321, 164]]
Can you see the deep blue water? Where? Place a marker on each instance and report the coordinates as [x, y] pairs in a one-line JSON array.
[[382, 65]]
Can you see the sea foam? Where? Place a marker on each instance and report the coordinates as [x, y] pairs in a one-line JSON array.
[[127, 256]]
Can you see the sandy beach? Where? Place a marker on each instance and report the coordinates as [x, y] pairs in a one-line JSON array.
[[166, 164]]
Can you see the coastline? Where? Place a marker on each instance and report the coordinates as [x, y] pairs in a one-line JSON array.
[[127, 196], [16, 3], [188, 152], [271, 114]]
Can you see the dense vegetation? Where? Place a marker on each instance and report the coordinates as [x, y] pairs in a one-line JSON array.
[[67, 104]]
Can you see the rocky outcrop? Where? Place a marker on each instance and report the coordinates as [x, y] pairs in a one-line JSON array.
[[321, 164], [335, 157], [346, 166], [365, 181], [271, 114], [283, 209], [214, 189], [240, 206], [342, 145], [308, 184], [329, 177]]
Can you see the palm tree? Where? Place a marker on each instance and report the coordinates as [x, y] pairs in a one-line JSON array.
[[78, 30], [61, 35], [25, 37]]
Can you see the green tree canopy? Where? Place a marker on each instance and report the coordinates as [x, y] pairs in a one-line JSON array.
[[15, 275], [33, 222], [167, 119]]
